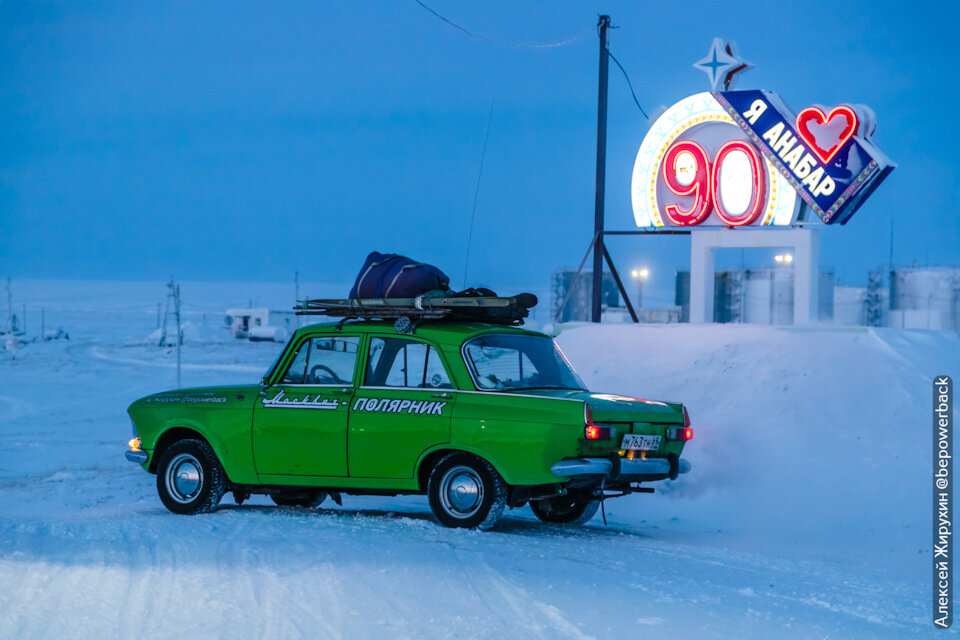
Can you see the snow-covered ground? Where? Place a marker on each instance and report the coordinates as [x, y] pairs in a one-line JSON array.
[[806, 515]]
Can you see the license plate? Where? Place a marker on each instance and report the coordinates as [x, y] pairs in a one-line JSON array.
[[640, 443]]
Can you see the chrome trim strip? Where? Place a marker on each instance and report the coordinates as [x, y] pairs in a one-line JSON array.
[[137, 456], [482, 393], [603, 466], [430, 389], [325, 386], [519, 395], [649, 466], [582, 467]]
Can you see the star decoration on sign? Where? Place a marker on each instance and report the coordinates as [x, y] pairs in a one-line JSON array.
[[722, 65]]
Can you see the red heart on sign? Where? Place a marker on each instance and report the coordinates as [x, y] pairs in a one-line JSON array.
[[825, 134]]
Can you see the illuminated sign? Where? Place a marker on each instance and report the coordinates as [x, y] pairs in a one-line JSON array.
[[826, 155], [696, 166], [742, 158]]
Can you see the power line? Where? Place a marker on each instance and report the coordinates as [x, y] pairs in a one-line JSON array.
[[629, 84], [503, 43], [545, 45]]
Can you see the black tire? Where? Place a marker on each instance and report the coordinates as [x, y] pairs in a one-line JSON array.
[[303, 500], [467, 492], [575, 508], [189, 478]]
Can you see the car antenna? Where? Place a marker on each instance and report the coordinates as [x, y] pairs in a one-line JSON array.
[[476, 195]]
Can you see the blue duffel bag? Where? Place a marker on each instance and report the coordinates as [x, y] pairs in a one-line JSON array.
[[388, 275]]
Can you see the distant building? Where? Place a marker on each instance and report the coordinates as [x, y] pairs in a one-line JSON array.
[[254, 324], [754, 296], [907, 298], [925, 298], [578, 306], [849, 306]]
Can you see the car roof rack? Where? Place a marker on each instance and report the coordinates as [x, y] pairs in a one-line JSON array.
[[493, 309]]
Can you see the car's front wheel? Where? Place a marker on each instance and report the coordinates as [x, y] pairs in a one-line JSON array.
[[189, 477], [573, 508], [466, 491]]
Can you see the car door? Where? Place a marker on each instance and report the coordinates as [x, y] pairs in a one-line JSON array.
[[402, 408], [300, 422]]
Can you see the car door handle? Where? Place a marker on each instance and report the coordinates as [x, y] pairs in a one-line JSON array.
[[440, 395]]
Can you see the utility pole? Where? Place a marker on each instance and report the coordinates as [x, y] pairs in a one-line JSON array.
[[175, 293], [9, 307], [296, 293], [598, 248], [166, 312]]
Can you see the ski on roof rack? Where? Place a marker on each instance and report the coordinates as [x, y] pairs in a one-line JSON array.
[[493, 309]]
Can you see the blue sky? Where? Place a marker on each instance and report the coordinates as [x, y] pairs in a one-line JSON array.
[[246, 140]]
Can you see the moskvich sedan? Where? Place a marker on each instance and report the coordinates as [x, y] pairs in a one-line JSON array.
[[478, 417]]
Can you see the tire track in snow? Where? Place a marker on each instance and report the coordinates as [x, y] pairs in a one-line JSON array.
[[516, 599]]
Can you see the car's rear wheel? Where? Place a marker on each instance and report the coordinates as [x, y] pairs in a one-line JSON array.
[[573, 508], [189, 477], [466, 491], [314, 499]]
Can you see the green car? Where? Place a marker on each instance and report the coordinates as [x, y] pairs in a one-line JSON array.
[[477, 416]]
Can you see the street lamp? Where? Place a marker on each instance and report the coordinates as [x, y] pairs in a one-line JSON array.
[[640, 275]]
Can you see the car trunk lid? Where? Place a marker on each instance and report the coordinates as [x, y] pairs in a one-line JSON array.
[[611, 408]]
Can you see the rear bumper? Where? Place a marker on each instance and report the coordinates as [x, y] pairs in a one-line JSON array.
[[621, 469]]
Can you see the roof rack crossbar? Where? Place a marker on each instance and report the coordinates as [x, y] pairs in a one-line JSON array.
[[499, 310]]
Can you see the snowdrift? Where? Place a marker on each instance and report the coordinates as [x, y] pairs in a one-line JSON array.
[[804, 438]]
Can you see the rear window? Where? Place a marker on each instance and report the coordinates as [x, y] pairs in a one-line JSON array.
[[516, 362]]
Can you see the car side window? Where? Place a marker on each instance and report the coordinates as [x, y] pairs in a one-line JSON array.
[[322, 361], [397, 362], [298, 367]]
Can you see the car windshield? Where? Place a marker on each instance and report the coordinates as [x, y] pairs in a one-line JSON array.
[[515, 362]]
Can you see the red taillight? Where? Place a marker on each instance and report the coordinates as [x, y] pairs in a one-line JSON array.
[[680, 433], [592, 431]]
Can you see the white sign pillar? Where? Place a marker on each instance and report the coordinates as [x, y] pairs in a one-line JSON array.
[[803, 242]]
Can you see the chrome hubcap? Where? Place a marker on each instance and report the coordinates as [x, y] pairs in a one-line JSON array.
[[184, 478], [461, 491]]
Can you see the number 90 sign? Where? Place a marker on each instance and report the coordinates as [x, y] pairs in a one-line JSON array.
[[696, 168]]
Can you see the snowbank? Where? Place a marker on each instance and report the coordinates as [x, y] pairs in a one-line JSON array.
[[813, 439]]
